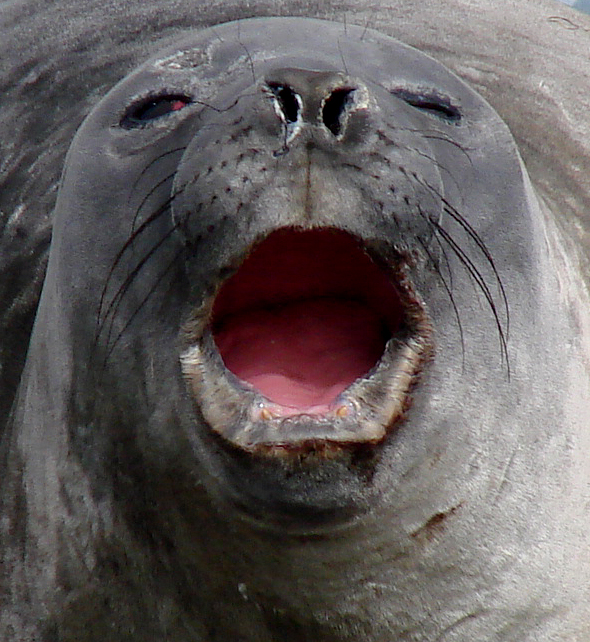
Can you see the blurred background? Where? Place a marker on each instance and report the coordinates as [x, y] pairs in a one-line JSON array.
[[582, 5]]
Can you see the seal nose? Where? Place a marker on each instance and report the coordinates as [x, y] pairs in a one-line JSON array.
[[317, 99], [334, 109]]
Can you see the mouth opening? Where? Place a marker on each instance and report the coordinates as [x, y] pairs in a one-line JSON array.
[[307, 314]]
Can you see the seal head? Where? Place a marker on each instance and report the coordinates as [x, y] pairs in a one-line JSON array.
[[301, 210]]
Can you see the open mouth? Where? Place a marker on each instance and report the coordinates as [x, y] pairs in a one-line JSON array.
[[306, 315], [314, 340]]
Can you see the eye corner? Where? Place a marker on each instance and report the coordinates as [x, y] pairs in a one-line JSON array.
[[145, 110], [431, 102]]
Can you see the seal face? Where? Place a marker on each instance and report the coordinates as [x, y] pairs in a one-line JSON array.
[[301, 208], [291, 173]]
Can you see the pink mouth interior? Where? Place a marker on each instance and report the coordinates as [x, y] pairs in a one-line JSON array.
[[306, 314]]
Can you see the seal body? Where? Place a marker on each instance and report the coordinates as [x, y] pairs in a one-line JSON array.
[[186, 473]]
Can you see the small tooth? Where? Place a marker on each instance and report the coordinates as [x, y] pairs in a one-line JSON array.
[[342, 411], [266, 414]]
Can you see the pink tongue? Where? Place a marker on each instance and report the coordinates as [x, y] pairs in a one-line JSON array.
[[307, 313], [304, 353]]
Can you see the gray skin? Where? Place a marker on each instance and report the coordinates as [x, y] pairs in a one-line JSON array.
[[130, 511]]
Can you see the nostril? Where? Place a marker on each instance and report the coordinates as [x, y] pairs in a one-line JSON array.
[[334, 109], [288, 101]]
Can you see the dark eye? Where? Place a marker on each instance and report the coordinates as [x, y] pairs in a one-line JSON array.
[[152, 108], [430, 102]]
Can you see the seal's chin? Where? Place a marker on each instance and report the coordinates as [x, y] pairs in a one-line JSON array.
[[315, 340]]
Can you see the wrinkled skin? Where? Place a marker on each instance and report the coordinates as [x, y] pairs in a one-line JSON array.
[[143, 499]]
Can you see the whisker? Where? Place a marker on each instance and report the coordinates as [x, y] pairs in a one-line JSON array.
[[101, 312], [479, 279], [449, 290], [124, 287], [161, 277], [435, 134], [449, 209], [470, 265], [147, 196], [153, 162], [452, 142]]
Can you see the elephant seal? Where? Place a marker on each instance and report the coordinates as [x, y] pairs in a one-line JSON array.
[[304, 381]]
